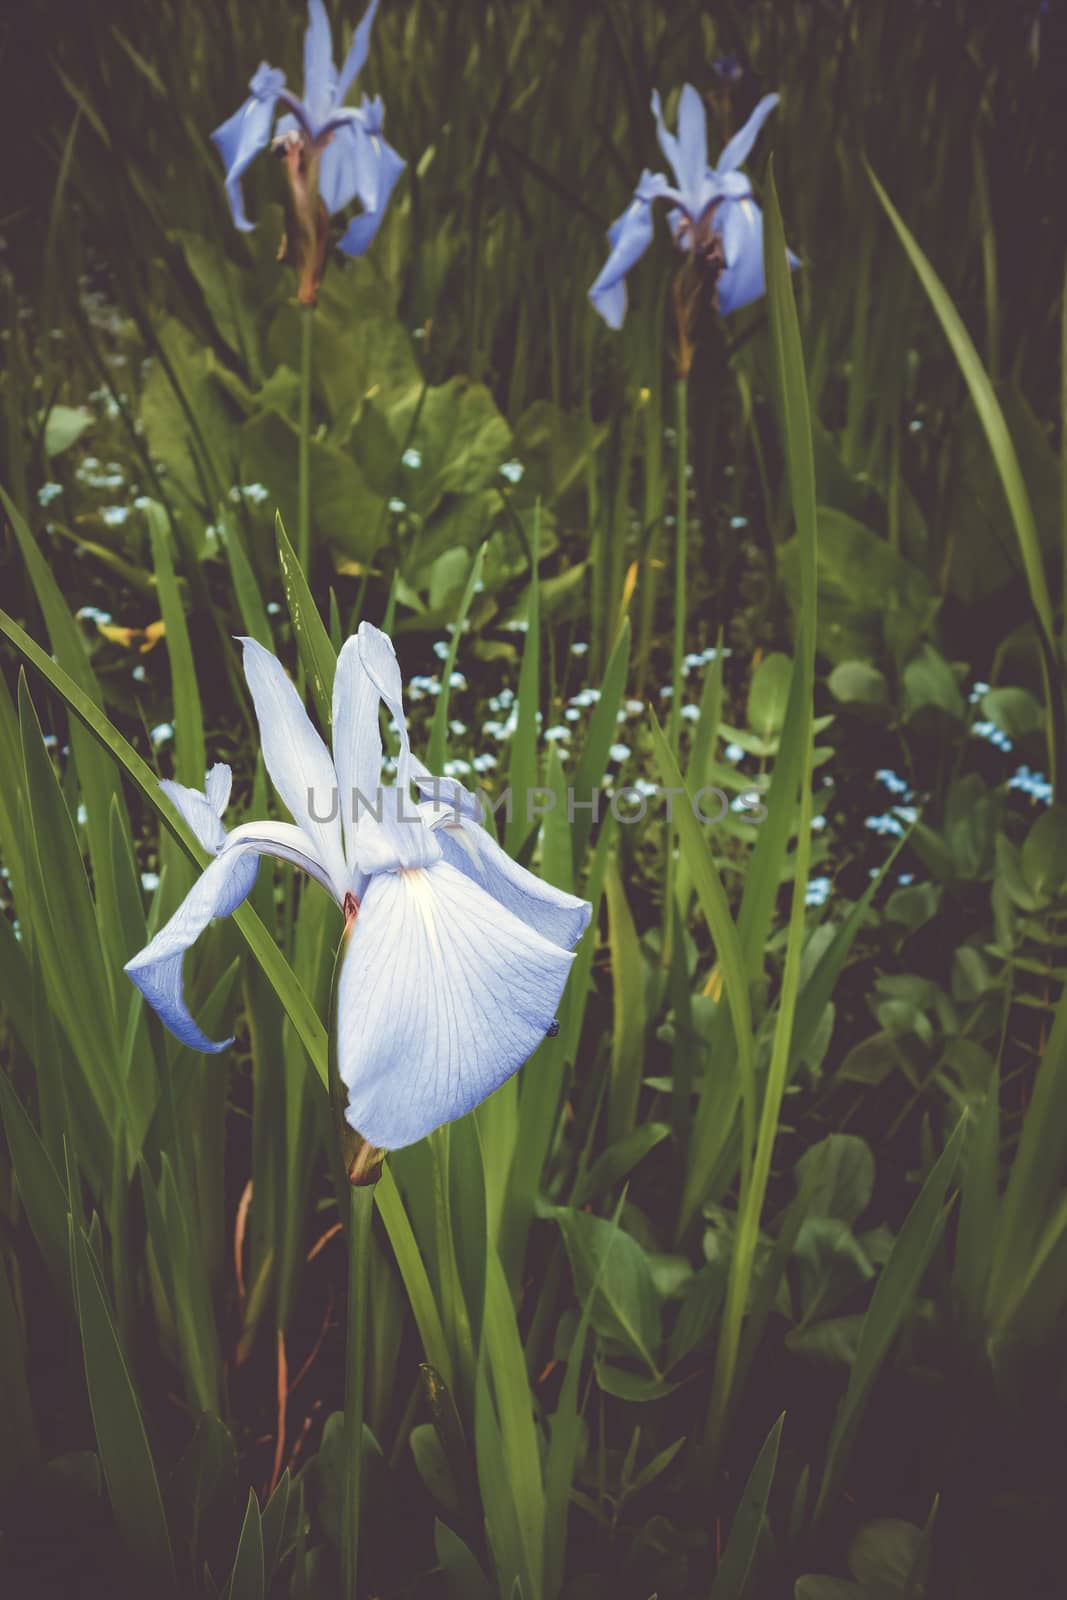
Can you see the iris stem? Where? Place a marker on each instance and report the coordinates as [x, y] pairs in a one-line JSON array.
[[681, 550], [681, 547], [303, 520], [361, 1207]]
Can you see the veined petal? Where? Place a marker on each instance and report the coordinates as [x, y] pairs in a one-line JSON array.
[[629, 236], [220, 889], [358, 52], [561, 918], [691, 145], [297, 760], [320, 74], [737, 150], [203, 811], [380, 167], [246, 133], [357, 738], [443, 994]]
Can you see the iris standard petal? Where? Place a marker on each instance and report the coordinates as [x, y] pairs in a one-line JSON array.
[[667, 142], [630, 236], [297, 760], [341, 168], [736, 151], [378, 659], [244, 135], [320, 74], [199, 810], [691, 146], [357, 739], [358, 52], [380, 167], [471, 849], [220, 889], [443, 994], [217, 786]]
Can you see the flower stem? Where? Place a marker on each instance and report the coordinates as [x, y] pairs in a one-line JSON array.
[[674, 726], [303, 520], [681, 546]]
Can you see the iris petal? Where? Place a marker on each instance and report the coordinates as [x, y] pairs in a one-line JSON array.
[[357, 55], [320, 75], [199, 810], [735, 152], [357, 739], [378, 659], [741, 281], [297, 760], [692, 146], [630, 236], [443, 994], [471, 849], [220, 889], [380, 167], [242, 136]]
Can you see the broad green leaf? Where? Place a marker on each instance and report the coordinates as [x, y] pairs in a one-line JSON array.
[[613, 1268]]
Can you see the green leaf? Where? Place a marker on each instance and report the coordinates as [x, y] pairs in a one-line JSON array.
[[612, 1267], [603, 726], [41, 1190], [317, 654], [628, 992], [190, 765], [437, 749], [125, 1457], [768, 695], [891, 1302], [840, 1173], [345, 510], [19, 1448], [858, 683], [304, 1018], [736, 1567], [247, 1577], [870, 599], [989, 411], [464, 1578], [64, 427]]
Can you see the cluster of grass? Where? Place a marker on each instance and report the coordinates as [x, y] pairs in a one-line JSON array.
[[757, 1271]]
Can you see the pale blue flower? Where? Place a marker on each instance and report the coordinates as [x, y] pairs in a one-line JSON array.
[[708, 205], [354, 159], [455, 956]]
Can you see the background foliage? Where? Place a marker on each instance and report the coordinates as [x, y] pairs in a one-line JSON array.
[[753, 1282]]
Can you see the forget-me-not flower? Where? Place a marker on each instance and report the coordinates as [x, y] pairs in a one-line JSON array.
[[333, 152], [713, 216], [455, 956]]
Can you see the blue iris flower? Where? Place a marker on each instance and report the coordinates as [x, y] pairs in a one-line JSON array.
[[353, 159], [711, 207], [455, 956]]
